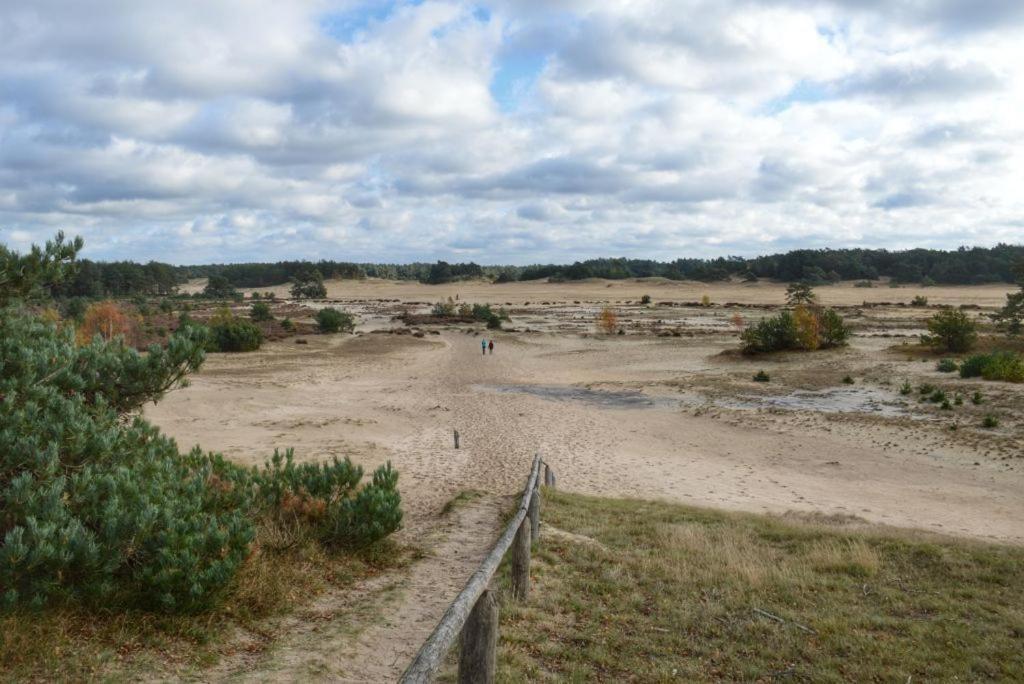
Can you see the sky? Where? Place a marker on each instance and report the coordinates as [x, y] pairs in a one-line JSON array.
[[509, 131]]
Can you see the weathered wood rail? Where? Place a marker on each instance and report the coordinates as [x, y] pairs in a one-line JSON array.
[[473, 614]]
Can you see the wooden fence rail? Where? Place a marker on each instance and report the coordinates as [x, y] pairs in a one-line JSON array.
[[474, 612]]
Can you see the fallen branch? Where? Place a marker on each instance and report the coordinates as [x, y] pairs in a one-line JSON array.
[[766, 614]]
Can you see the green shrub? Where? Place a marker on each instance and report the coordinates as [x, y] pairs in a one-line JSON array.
[[774, 333], [326, 498], [260, 311], [331, 320], [288, 325], [919, 301], [834, 332], [938, 397], [977, 399], [946, 366], [447, 309], [951, 330], [219, 287], [847, 380], [98, 507], [807, 329], [761, 376], [1006, 366], [989, 421], [905, 388], [234, 335], [646, 299], [971, 367]]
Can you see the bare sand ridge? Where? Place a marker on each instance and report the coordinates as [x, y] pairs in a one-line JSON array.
[[637, 415]]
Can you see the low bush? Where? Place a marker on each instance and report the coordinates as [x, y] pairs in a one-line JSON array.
[[1004, 365], [761, 376], [951, 330], [326, 498], [331, 320], [229, 334], [444, 309], [607, 321], [919, 301], [946, 366], [989, 421], [260, 311], [646, 299], [805, 328], [848, 380]]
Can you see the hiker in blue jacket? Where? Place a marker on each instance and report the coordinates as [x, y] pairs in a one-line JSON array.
[[483, 347]]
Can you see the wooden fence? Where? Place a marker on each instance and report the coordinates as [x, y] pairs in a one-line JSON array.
[[474, 612]]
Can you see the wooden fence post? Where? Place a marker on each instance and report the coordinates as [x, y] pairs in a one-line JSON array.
[[479, 642], [521, 562], [456, 439], [535, 516], [549, 476]]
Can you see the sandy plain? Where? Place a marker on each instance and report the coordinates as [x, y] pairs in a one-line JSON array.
[[664, 411]]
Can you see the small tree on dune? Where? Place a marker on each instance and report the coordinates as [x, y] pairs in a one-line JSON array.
[[808, 326], [308, 284], [607, 321], [260, 311], [951, 330], [1010, 319], [800, 293], [219, 287], [107, 320]]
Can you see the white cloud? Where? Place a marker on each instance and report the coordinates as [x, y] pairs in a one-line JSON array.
[[220, 130]]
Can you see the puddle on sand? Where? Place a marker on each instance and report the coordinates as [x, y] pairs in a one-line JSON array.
[[868, 400], [838, 400], [604, 399]]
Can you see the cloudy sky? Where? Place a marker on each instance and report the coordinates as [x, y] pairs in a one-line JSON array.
[[509, 131]]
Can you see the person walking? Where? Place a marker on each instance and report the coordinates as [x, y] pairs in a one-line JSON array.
[[483, 347], [490, 347]]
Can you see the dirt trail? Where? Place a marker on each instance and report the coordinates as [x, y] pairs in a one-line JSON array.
[[370, 632]]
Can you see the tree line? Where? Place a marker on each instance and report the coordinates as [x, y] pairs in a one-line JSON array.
[[963, 266]]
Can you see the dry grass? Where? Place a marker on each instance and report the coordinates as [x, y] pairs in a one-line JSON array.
[[461, 499], [73, 643], [673, 593]]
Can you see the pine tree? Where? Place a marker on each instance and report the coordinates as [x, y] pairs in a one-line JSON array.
[[97, 506]]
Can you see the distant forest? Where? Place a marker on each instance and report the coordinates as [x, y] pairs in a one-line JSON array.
[[924, 266]]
